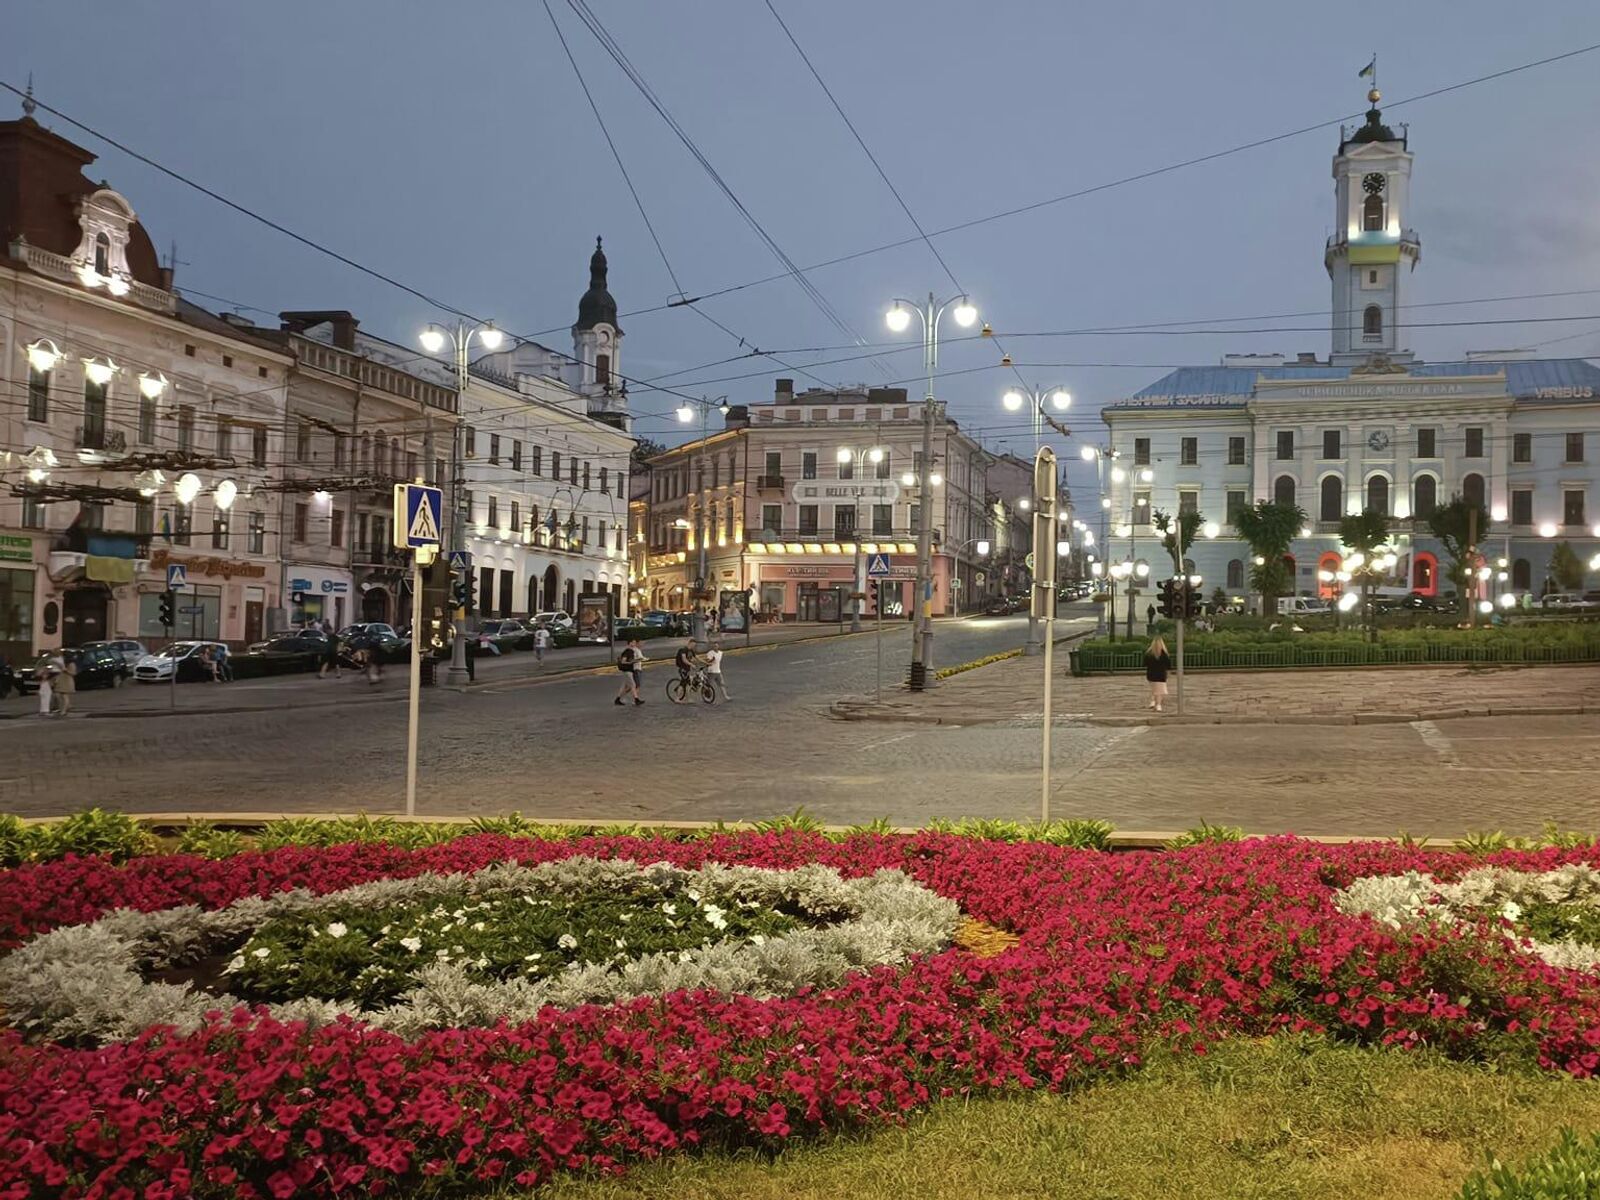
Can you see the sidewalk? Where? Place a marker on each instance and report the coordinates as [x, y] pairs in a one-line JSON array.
[[1011, 692]]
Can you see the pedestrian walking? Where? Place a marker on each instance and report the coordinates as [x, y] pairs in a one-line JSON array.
[[373, 665], [1157, 662], [472, 658], [541, 643], [66, 685], [45, 673], [330, 658], [224, 665], [714, 672], [1150, 618], [631, 663]]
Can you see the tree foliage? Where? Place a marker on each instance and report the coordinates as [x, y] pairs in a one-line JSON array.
[[645, 449], [1365, 533], [1455, 525], [1177, 535], [1566, 568], [1270, 528]]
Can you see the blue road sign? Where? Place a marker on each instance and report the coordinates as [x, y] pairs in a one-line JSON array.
[[877, 566], [417, 510], [461, 560], [177, 577]]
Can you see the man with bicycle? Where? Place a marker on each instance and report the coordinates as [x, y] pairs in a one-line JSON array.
[[686, 662]]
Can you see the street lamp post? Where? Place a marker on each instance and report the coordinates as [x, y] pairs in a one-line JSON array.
[[858, 461], [686, 411], [434, 339], [1036, 398], [898, 319]]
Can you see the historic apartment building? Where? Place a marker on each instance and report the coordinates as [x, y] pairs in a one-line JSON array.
[[1368, 427], [791, 495]]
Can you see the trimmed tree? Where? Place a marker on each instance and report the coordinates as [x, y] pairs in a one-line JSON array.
[[1459, 525], [1177, 536], [1566, 568], [1365, 534], [1270, 528]]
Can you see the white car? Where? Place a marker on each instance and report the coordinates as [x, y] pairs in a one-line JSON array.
[[158, 667], [556, 621]]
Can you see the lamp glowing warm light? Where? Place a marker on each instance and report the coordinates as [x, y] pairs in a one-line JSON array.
[[321, 497], [43, 355], [935, 479], [225, 494], [1355, 560], [908, 480], [1024, 504], [187, 487], [1141, 569], [149, 482], [1105, 501], [99, 372], [432, 339], [1348, 601], [983, 547], [1497, 513], [1259, 561], [1124, 530], [1485, 606], [151, 386], [875, 455], [1088, 538], [685, 413], [1063, 549], [1211, 529], [1548, 529], [1061, 399], [965, 313], [1012, 400], [1508, 600], [1146, 475], [898, 318], [491, 337], [843, 455], [1087, 453], [1118, 474], [1095, 569]]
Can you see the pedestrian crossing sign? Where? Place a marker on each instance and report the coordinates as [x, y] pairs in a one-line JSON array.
[[416, 516], [877, 566], [177, 577]]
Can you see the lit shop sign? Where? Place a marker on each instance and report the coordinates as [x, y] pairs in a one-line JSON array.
[[327, 585], [1366, 389], [875, 491]]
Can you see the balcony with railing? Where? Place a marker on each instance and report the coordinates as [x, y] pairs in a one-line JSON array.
[[769, 483], [95, 436]]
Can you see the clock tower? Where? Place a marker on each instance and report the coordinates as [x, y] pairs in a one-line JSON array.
[[1372, 251]]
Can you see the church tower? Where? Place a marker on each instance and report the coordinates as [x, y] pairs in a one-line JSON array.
[[1371, 252], [597, 348]]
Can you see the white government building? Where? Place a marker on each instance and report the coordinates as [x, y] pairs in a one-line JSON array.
[[1371, 426]]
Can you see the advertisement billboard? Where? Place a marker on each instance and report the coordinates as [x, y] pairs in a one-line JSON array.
[[733, 611], [594, 618]]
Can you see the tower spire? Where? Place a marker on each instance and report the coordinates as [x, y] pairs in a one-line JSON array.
[[28, 104]]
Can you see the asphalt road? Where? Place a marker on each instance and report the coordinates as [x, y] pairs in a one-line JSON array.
[[560, 749]]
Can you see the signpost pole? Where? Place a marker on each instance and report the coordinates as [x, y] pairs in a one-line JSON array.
[[1043, 600], [414, 702], [417, 509], [879, 606], [172, 690]]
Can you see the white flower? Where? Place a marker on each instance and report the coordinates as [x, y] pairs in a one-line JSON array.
[[716, 917], [478, 925], [532, 957], [263, 952], [481, 963], [412, 944], [385, 929], [622, 943], [567, 942], [441, 954], [236, 963], [757, 939], [669, 908], [337, 929], [1511, 910], [693, 895]]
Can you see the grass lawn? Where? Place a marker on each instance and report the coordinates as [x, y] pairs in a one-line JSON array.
[[1290, 1118]]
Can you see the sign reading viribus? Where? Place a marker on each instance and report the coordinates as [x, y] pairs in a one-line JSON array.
[[868, 491]]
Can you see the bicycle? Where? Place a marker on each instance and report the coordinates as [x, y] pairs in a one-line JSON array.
[[680, 691]]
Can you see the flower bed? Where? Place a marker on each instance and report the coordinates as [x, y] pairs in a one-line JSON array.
[[1114, 953]]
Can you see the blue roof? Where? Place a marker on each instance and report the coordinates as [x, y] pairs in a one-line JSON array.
[[1551, 380]]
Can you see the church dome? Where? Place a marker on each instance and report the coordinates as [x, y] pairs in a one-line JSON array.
[[1374, 130], [597, 307]]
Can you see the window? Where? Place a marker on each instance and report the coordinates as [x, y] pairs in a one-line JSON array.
[[492, 516], [94, 414], [93, 516], [1283, 490], [494, 448], [379, 543], [1424, 495], [1521, 575], [1378, 494], [1425, 439], [1572, 507], [586, 476], [516, 519], [882, 519], [219, 531], [808, 519], [1522, 447], [1188, 502], [844, 521], [258, 446], [1372, 213], [185, 427], [224, 438], [1574, 447], [1372, 324], [535, 455], [32, 513], [600, 534], [361, 530], [1141, 452], [1236, 503], [38, 395], [602, 369], [182, 524], [302, 443], [774, 467], [227, 360], [771, 518], [1331, 447], [147, 421], [1522, 506], [1236, 451], [1285, 444], [605, 482], [411, 466], [1472, 489], [144, 517], [1141, 507], [1474, 435], [102, 254], [882, 465], [336, 527], [1332, 499], [1188, 452], [469, 441], [808, 465], [555, 464], [1235, 574], [915, 516], [258, 533], [572, 471], [302, 517], [847, 468], [727, 523]]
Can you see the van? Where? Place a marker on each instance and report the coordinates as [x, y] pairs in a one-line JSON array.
[[1307, 606]]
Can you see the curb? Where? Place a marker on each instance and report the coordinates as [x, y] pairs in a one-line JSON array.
[[846, 710]]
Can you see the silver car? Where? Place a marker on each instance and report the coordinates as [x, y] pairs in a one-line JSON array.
[[125, 648]]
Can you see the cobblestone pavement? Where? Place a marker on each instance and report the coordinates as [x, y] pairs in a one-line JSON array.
[[562, 750]]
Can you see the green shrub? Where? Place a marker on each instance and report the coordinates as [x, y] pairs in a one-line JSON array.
[[1568, 1171], [511, 824], [1481, 842], [114, 834], [799, 819], [210, 842], [1083, 834], [1553, 835], [1206, 832], [19, 843], [292, 831]]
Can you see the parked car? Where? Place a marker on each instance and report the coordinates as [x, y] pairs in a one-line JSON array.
[[656, 619], [1566, 600], [1000, 606], [370, 635], [556, 621], [98, 666], [307, 648], [1410, 602], [185, 657], [128, 650], [505, 634]]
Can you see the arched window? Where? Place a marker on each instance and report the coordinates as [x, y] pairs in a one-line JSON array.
[[1424, 495], [1424, 573], [1235, 574], [1283, 490], [1378, 494], [1472, 489], [1372, 323], [102, 254], [1332, 498], [1372, 214], [1521, 576], [602, 369], [1330, 562]]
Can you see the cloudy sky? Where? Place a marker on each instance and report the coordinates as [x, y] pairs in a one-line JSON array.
[[451, 147]]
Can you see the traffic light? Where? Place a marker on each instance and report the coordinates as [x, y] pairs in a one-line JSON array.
[[1192, 599], [168, 612], [463, 592], [1171, 600]]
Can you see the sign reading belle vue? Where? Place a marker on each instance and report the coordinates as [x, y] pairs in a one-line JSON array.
[[845, 491]]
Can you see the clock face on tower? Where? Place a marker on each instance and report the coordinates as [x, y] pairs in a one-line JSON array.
[[1372, 184], [1378, 440]]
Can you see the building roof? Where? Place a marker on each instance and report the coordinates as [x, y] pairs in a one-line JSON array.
[[596, 307], [1550, 380]]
